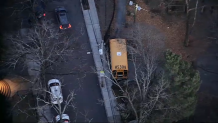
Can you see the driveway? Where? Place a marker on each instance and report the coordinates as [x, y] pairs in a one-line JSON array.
[[207, 110], [77, 74]]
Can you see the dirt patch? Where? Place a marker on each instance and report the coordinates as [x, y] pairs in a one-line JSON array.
[[173, 27]]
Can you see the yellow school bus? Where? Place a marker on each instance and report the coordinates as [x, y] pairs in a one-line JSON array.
[[118, 58]]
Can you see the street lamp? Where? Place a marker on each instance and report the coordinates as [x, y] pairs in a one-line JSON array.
[[5, 88], [137, 8]]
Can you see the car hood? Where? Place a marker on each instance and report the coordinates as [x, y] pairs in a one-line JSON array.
[[64, 117], [56, 91]]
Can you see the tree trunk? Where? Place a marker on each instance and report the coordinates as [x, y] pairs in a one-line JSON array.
[[186, 41]]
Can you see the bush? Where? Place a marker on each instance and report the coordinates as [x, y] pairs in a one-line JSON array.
[[184, 84]]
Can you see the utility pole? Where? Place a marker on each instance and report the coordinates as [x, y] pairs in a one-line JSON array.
[[137, 8]]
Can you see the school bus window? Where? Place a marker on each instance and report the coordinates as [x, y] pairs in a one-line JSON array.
[[119, 73], [125, 72], [114, 73]]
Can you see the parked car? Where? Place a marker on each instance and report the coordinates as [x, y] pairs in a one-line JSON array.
[[38, 7], [61, 14], [65, 119], [55, 91]]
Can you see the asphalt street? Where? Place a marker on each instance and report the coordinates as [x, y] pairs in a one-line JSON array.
[[121, 16], [77, 74]]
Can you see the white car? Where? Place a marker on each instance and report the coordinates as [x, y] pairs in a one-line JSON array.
[[55, 89], [65, 118]]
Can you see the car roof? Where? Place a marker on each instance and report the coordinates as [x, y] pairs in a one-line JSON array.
[[60, 8], [64, 117], [39, 9], [63, 18]]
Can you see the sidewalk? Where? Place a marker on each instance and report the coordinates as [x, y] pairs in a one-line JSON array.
[[96, 42]]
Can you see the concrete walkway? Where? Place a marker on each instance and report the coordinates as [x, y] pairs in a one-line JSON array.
[[96, 42]]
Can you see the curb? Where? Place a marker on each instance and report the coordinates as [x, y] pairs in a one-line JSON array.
[[95, 38]]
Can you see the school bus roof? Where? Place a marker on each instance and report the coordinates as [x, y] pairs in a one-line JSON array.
[[118, 54]]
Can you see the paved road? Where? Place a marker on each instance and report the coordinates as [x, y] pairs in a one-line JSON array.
[[207, 62], [121, 16], [84, 82]]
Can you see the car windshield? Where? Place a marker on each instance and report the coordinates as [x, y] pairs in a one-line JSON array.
[[64, 121], [54, 84], [39, 13], [62, 11], [65, 25], [62, 14]]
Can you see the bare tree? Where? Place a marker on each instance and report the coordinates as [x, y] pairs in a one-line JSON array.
[[213, 28], [188, 28], [38, 110], [58, 108], [29, 7], [145, 96], [42, 45], [42, 104]]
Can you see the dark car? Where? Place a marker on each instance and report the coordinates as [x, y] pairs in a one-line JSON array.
[[38, 8], [61, 14]]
